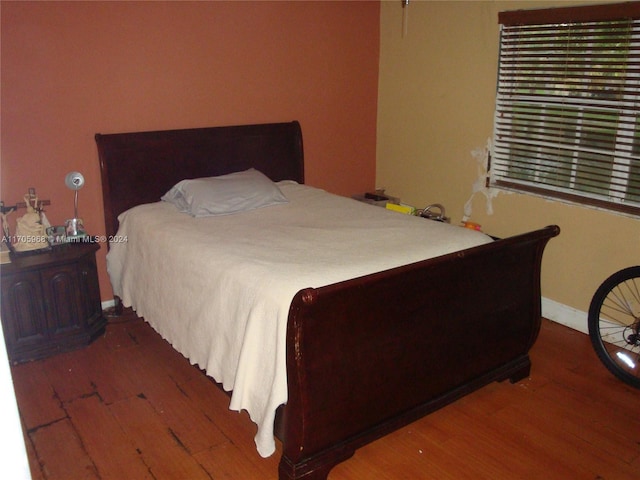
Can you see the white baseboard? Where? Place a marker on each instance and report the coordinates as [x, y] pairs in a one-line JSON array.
[[565, 315], [108, 304]]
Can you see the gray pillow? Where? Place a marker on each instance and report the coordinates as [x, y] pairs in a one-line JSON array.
[[225, 195]]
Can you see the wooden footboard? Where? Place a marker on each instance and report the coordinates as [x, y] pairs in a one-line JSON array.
[[370, 355]]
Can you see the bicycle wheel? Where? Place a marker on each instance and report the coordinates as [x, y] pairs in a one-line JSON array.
[[614, 324]]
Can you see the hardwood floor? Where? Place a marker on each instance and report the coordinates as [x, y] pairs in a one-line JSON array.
[[130, 407]]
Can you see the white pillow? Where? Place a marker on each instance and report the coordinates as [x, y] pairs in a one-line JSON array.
[[224, 195]]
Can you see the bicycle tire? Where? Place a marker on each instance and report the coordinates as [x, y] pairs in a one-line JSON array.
[[614, 324]]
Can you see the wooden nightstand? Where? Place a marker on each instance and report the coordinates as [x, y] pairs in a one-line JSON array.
[[51, 302]]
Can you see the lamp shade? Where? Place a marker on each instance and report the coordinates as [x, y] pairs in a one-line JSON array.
[[74, 180]]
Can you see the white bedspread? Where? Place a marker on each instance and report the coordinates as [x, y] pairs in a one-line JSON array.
[[219, 288]]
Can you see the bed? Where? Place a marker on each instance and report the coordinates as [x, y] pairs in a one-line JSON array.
[[359, 352]]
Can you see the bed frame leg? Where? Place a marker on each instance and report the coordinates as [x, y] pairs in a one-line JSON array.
[[317, 468], [518, 371]]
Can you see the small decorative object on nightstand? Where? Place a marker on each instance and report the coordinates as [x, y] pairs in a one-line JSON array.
[[378, 198], [472, 225], [30, 228], [51, 302], [434, 212]]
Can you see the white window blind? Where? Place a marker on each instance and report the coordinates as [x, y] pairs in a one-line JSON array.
[[567, 121]]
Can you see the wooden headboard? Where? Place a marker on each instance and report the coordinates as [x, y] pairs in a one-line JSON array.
[[140, 167]]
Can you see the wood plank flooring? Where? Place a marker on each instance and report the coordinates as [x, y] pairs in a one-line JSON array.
[[130, 407]]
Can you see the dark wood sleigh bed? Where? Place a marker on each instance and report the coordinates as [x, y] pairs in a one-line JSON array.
[[364, 356]]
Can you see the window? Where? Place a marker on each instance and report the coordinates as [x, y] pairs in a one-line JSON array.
[[567, 121]]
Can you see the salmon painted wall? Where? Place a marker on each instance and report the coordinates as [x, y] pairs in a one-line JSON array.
[[72, 69]]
